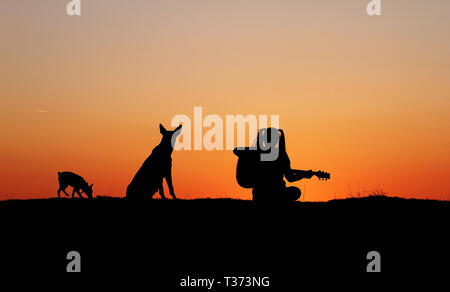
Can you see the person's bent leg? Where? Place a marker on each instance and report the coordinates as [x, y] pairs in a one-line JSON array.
[[292, 194], [263, 194]]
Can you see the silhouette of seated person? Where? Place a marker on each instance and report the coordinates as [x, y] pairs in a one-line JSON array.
[[264, 166]]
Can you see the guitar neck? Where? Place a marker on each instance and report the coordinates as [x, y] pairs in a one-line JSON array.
[[299, 171], [306, 173]]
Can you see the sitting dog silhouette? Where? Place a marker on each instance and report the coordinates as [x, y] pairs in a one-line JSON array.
[[157, 166], [79, 185]]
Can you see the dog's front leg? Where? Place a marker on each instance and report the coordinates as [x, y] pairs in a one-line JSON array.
[[161, 191], [169, 183]]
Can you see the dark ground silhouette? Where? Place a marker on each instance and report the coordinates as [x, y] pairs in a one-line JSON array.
[[166, 239]]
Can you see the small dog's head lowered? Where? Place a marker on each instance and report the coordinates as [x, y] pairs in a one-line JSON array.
[[87, 189], [169, 137]]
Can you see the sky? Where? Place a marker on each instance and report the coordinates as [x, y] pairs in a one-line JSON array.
[[366, 98]]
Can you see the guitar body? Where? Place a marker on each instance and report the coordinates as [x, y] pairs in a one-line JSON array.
[[246, 169]]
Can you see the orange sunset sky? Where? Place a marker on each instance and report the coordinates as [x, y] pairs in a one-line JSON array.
[[366, 98]]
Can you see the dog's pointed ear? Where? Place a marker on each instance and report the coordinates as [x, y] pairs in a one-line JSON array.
[[178, 128], [162, 130], [91, 186]]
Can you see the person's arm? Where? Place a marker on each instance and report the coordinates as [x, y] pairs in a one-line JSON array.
[[293, 175]]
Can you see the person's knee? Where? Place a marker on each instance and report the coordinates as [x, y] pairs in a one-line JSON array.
[[293, 193]]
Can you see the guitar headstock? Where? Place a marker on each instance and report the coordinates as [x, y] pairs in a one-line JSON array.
[[322, 175]]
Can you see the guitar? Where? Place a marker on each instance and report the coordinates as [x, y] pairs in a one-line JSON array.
[[321, 175], [246, 169]]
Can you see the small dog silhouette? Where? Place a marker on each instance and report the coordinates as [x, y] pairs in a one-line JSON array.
[[78, 184], [157, 166]]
